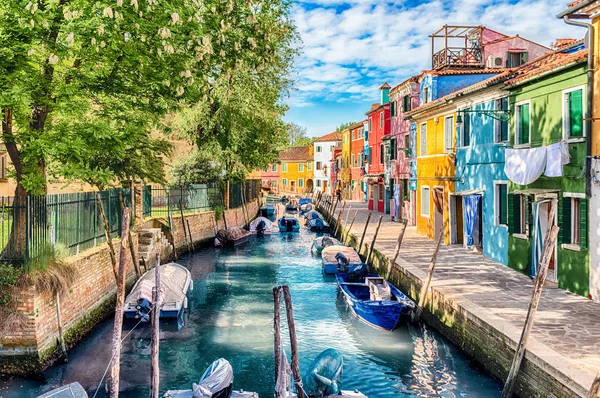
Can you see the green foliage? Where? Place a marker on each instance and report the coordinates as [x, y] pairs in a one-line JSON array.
[[344, 126], [219, 210], [199, 167], [9, 275], [297, 135]]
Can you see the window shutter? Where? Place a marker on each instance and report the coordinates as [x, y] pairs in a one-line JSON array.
[[508, 65], [524, 124], [583, 219], [576, 113], [513, 213], [504, 125], [528, 219], [524, 57], [467, 130], [503, 204], [564, 220]]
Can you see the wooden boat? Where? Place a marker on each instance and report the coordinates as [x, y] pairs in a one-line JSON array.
[[375, 301], [288, 224], [339, 258], [268, 211], [262, 226], [176, 282], [73, 390], [305, 205], [231, 237], [324, 241]]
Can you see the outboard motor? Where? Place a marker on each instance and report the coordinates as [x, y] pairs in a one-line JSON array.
[[221, 237], [343, 262], [260, 228], [289, 225], [358, 273], [143, 308]]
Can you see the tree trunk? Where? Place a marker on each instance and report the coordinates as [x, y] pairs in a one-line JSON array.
[[111, 248]]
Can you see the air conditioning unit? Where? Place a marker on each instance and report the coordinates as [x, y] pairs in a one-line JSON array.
[[495, 62]]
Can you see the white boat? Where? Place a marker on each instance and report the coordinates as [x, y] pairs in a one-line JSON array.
[[73, 390], [324, 241], [263, 226]]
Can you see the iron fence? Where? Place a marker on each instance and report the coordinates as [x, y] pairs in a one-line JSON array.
[[159, 202]]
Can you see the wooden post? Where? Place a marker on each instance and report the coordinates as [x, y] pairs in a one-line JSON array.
[[120, 307], [136, 263], [374, 239], [339, 219], [425, 287], [224, 209], [183, 225], [595, 389], [190, 233], [398, 245], [548, 251], [364, 232], [60, 329], [172, 227], [292, 328], [244, 210], [334, 206], [347, 215], [276, 327], [111, 248], [347, 240], [155, 338]]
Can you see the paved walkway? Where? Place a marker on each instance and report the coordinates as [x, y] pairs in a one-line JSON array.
[[567, 326]]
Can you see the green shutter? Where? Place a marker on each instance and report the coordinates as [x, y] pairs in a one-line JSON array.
[[504, 124], [503, 204], [564, 220], [524, 124], [508, 65], [524, 58], [513, 213], [576, 113], [583, 223], [528, 218], [466, 129]]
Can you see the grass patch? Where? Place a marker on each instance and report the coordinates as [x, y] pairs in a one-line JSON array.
[[49, 272]]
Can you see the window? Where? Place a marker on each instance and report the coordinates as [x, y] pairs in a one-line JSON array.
[[518, 214], [425, 201], [3, 167], [371, 124], [393, 108], [426, 95], [407, 146], [274, 167], [300, 167], [360, 159], [300, 182], [448, 133], [353, 164], [465, 130], [573, 113], [522, 123], [284, 167], [318, 183], [516, 58], [573, 221], [284, 182], [381, 195], [381, 120], [501, 203], [406, 103], [381, 153], [370, 155], [393, 149], [319, 148], [319, 165], [500, 126], [423, 142], [309, 164]]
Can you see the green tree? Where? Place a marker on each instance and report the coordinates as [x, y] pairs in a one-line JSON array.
[[344, 126], [297, 135]]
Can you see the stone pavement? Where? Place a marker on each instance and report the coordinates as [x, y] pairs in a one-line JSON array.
[[566, 332]]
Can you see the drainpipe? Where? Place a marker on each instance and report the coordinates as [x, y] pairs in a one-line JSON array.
[[590, 99]]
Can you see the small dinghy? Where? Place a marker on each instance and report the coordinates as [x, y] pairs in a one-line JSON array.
[[288, 224], [216, 382], [374, 301], [305, 205], [324, 374], [268, 211], [324, 241], [73, 390], [315, 222], [176, 282], [231, 237], [262, 226], [339, 258]]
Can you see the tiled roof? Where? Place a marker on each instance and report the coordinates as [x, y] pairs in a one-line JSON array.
[[357, 125], [296, 153], [335, 136], [563, 42], [574, 3], [444, 72], [546, 63], [385, 86], [412, 79]]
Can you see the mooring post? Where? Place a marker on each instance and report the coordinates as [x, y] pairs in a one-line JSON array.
[[374, 239], [339, 219], [172, 228], [120, 307], [155, 338], [425, 287], [334, 206], [136, 264], [224, 209], [292, 328], [60, 328], [362, 238], [109, 242], [404, 223], [350, 229], [595, 389], [187, 243], [277, 328], [548, 251], [187, 221], [347, 215]]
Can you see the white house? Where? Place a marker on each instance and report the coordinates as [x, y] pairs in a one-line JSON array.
[[323, 153]]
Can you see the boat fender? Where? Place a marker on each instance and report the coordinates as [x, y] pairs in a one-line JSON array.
[[343, 262], [185, 303]]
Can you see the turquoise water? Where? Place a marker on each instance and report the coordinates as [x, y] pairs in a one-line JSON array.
[[231, 316]]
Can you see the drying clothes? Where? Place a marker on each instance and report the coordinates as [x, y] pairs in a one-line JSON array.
[[556, 157], [471, 203], [524, 166]]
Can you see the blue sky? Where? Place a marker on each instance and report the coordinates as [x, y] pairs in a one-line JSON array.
[[351, 47]]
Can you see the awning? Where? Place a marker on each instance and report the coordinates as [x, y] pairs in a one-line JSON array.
[[535, 191], [469, 192]]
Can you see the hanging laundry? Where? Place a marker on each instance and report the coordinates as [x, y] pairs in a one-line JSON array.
[[524, 166], [556, 157], [471, 203]]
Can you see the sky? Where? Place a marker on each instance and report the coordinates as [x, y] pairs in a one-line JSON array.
[[351, 47]]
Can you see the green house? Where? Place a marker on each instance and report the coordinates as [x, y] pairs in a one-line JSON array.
[[547, 103]]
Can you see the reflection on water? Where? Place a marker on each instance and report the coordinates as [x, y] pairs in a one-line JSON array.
[[231, 315]]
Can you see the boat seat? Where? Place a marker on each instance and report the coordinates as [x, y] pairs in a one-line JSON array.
[[379, 289]]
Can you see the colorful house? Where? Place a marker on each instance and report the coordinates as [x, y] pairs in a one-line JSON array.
[[346, 177], [296, 170], [549, 136], [356, 161], [270, 178], [590, 9], [323, 148], [378, 120]]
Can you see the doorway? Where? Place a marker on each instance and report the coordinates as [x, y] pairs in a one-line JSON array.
[[325, 186], [438, 209], [293, 186], [456, 220], [541, 227]]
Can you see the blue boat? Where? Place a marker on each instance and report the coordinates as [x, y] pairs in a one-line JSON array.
[[268, 211], [375, 301], [337, 258], [315, 222], [304, 201], [288, 224]]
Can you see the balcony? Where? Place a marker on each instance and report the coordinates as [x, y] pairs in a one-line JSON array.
[[457, 47], [458, 57]]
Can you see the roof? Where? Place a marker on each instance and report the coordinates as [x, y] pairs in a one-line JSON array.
[[563, 42], [375, 107], [357, 125], [581, 7], [296, 153], [544, 64], [335, 136], [385, 86], [412, 79], [444, 72]]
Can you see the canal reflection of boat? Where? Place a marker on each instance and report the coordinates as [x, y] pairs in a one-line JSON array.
[[262, 226], [324, 241], [231, 237], [375, 301], [176, 282], [73, 390], [337, 258], [288, 224], [268, 211]]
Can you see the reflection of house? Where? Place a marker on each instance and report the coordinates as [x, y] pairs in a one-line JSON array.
[[323, 152], [296, 171], [356, 160]]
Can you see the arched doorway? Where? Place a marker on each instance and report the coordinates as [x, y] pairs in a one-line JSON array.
[[309, 185]]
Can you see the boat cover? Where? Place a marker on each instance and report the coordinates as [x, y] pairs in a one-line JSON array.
[[173, 280], [330, 252], [312, 215], [324, 373], [257, 220], [217, 377], [73, 390]]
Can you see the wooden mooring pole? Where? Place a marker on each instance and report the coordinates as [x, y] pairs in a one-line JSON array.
[[109, 242], [362, 238], [136, 263], [187, 243], [187, 222], [404, 223], [155, 338], [425, 287], [350, 229], [339, 219], [547, 253], [373, 241], [347, 215], [293, 342], [60, 328], [277, 328], [172, 228]]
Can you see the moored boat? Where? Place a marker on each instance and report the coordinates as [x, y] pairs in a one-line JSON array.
[[268, 211], [262, 226], [315, 222], [231, 237], [324, 241], [339, 258], [375, 301], [73, 390], [305, 205], [324, 375], [288, 224], [176, 282]]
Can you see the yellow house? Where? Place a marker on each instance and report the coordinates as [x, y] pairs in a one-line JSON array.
[[435, 153], [296, 170], [346, 164]]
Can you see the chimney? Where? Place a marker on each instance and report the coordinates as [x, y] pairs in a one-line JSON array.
[[385, 93]]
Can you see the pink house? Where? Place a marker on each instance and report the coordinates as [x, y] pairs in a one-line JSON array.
[[270, 178]]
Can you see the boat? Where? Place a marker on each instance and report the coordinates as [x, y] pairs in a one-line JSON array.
[[338, 258], [216, 382], [292, 205], [305, 205], [268, 211], [374, 301], [73, 390], [315, 222], [262, 226], [324, 241], [288, 224], [231, 237], [324, 374], [176, 282]]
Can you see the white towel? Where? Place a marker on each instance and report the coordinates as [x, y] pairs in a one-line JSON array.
[[524, 166], [557, 156]]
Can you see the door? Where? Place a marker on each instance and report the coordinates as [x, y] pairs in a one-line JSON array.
[[542, 227], [293, 186], [325, 186], [456, 220]]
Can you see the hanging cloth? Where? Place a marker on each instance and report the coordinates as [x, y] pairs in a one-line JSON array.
[[397, 202], [557, 156], [524, 166], [536, 250], [471, 203], [284, 373]]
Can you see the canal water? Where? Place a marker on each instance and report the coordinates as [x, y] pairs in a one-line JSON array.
[[231, 316]]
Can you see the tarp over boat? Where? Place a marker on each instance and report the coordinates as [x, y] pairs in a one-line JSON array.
[[174, 280], [328, 254], [73, 390]]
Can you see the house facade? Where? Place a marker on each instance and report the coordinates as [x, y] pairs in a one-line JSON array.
[[323, 148], [345, 173], [296, 170], [270, 178], [356, 161]]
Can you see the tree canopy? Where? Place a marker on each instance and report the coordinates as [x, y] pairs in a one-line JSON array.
[[344, 126], [297, 135]]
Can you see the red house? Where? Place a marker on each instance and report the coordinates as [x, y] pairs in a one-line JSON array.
[[378, 126]]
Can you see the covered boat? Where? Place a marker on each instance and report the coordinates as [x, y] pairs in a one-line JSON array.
[[339, 258], [73, 390], [315, 222], [324, 241], [324, 374], [305, 205], [268, 211], [176, 282], [288, 224], [231, 237], [374, 301], [262, 226]]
